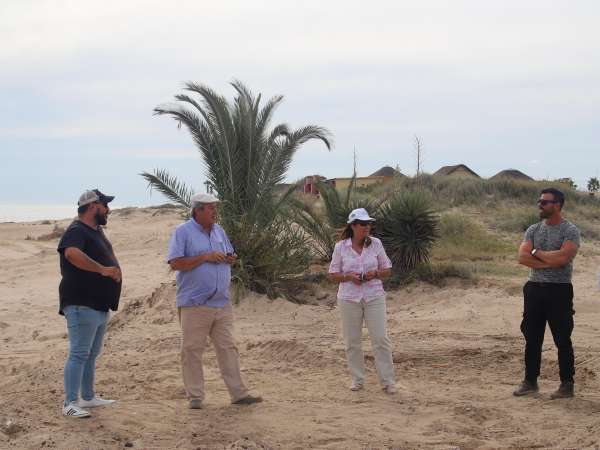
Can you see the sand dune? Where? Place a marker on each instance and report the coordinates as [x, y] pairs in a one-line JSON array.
[[457, 351]]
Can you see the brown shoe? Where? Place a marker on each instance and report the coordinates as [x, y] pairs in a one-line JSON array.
[[248, 400], [526, 388], [565, 390]]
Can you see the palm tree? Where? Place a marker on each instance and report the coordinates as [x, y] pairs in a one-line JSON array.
[[245, 159]]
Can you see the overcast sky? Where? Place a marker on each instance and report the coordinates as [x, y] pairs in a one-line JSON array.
[[494, 85]]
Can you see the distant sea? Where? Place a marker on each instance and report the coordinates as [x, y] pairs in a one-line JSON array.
[[29, 213]]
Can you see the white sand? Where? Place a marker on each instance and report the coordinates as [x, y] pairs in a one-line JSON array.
[[458, 353]]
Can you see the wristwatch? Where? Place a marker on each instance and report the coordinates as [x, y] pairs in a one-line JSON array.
[[534, 251]]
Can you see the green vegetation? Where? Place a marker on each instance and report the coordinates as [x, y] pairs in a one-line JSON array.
[[442, 227], [325, 226], [245, 159], [462, 238], [408, 227], [593, 185], [481, 224]]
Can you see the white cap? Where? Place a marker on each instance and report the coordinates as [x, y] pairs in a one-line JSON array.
[[360, 214], [94, 195], [203, 198]]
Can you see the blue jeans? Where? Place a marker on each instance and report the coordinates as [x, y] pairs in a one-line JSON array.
[[86, 328]]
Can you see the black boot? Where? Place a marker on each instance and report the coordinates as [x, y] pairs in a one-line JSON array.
[[565, 390], [526, 387]]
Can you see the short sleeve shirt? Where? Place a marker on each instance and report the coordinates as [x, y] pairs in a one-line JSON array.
[[82, 287], [208, 283], [346, 260], [550, 238]]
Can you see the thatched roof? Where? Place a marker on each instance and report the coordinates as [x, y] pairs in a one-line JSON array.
[[512, 174], [386, 171], [449, 170]]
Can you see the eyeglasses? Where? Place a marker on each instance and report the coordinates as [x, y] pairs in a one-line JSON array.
[[546, 202], [363, 224]]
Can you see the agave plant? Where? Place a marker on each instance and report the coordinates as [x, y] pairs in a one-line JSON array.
[[324, 231], [407, 227], [245, 159]]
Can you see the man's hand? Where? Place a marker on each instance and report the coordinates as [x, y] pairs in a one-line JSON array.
[[82, 261], [216, 257], [526, 259], [113, 272], [231, 258], [559, 258]]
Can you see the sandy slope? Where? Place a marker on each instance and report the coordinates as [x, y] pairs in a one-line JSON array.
[[458, 353]]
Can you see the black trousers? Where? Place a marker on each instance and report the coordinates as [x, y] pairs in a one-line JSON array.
[[552, 303]]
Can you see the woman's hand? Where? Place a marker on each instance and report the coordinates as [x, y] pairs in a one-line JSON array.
[[371, 275], [354, 277]]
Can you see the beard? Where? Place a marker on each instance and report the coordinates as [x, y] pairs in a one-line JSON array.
[[544, 214], [100, 218]]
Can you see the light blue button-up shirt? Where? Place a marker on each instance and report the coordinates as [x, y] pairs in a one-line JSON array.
[[208, 283]]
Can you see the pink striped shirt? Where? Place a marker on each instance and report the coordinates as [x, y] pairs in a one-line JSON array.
[[345, 260]]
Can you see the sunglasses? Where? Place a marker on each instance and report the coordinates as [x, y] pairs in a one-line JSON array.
[[363, 224], [546, 202]]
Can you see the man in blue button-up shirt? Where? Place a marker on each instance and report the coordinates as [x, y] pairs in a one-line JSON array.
[[202, 255]]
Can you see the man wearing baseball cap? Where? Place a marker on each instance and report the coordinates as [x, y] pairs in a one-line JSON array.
[[90, 286], [202, 255]]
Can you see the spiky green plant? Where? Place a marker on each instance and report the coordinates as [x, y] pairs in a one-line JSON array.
[[407, 227], [324, 229], [245, 159]]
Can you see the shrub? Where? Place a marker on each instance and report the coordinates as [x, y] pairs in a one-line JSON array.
[[407, 227], [432, 273], [462, 237], [517, 220]]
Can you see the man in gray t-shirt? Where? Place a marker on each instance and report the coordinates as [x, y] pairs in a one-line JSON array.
[[548, 249]]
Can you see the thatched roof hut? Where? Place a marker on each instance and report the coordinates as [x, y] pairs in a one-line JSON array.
[[511, 174], [386, 171], [459, 170]]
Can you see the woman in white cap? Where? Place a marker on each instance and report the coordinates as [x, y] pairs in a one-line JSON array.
[[358, 264]]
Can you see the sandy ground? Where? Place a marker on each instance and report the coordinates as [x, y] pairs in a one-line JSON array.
[[457, 349]]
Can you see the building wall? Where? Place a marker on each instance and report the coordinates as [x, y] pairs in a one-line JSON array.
[[343, 183]]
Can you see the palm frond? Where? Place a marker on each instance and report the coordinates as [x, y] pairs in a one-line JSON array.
[[169, 186]]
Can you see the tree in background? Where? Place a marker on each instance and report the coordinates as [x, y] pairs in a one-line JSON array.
[[593, 185], [245, 159]]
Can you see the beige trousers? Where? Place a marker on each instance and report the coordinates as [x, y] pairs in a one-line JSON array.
[[197, 324], [373, 313]]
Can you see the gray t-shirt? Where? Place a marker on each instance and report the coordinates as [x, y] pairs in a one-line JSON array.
[[548, 238]]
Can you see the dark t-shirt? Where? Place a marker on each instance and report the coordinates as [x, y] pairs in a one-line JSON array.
[[82, 287]]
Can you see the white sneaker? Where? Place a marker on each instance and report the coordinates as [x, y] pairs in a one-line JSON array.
[[96, 401], [73, 410], [356, 386]]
